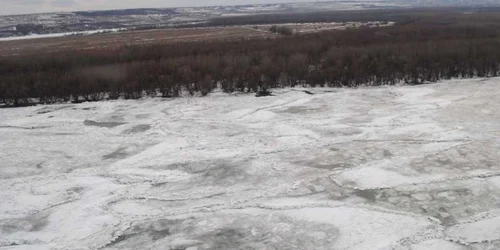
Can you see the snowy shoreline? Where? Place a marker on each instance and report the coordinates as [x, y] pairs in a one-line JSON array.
[[39, 36]]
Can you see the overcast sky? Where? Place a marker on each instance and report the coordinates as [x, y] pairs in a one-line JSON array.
[[10, 7]]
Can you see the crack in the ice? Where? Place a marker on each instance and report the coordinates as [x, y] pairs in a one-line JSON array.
[[269, 107], [416, 141], [151, 198], [439, 181], [26, 128]]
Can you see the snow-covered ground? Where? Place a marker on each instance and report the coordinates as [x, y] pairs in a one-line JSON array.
[[38, 36], [371, 168]]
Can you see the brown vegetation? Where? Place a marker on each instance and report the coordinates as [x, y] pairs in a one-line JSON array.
[[416, 52], [112, 41]]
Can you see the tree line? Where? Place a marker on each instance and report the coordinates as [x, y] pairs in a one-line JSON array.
[[412, 53]]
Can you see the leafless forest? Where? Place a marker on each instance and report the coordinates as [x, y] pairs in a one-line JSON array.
[[425, 45]]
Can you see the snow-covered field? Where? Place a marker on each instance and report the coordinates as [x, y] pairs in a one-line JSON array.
[[373, 168], [53, 35]]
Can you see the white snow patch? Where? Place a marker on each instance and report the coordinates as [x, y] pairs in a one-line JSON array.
[[476, 232], [38, 36]]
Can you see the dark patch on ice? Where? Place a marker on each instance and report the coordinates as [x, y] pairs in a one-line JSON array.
[[117, 117], [64, 154], [236, 133], [445, 217], [225, 171], [350, 131], [249, 232], [26, 128], [302, 110], [388, 153], [31, 223], [451, 164], [330, 166], [64, 134], [142, 116], [368, 194], [103, 124], [117, 154], [462, 152], [51, 134], [138, 129], [46, 110], [444, 161], [264, 93], [357, 120], [77, 190], [146, 231], [227, 238], [119, 239], [218, 172], [341, 156], [159, 234], [229, 231], [20, 173], [463, 160], [448, 202]]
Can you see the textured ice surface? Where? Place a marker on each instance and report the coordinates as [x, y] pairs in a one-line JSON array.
[[371, 168]]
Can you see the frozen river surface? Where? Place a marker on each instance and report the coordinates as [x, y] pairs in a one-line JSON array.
[[372, 168]]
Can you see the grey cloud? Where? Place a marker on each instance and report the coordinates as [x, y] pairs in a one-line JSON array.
[[10, 7], [64, 3], [20, 2]]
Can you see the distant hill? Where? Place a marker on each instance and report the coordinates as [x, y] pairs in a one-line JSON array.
[[458, 3], [126, 12]]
